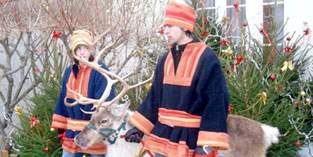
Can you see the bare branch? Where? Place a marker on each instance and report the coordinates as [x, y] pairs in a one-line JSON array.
[[102, 35], [115, 43], [28, 90], [14, 70], [10, 90], [2, 97], [21, 84], [18, 42]]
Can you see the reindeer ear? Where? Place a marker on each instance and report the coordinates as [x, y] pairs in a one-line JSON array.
[[120, 110]]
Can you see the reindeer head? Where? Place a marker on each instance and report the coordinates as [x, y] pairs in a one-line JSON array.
[[104, 124]]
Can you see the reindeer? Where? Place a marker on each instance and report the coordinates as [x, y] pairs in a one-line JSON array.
[[248, 138]]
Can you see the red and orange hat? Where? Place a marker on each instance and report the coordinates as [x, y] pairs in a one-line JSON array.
[[180, 14]]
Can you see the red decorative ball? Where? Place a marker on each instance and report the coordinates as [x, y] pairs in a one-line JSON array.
[[273, 77], [46, 149], [204, 34], [56, 34], [297, 144]]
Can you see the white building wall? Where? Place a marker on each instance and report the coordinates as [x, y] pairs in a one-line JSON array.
[[296, 13], [221, 8], [254, 16]]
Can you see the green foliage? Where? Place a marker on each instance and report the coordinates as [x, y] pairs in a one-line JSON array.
[[39, 140], [34, 138], [261, 86]]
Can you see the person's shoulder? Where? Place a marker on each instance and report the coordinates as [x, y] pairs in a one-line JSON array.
[[67, 72], [163, 57], [209, 54], [103, 65], [68, 69]]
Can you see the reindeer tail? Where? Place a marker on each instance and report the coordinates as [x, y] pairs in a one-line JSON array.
[[271, 135]]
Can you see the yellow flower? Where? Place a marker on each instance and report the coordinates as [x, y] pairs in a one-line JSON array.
[[287, 65], [148, 85], [308, 101], [229, 51], [263, 97], [302, 93], [18, 110]]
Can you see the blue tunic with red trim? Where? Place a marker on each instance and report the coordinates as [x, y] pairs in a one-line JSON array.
[[186, 108], [89, 83]]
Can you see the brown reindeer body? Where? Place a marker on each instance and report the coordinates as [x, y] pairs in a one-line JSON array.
[[248, 138]]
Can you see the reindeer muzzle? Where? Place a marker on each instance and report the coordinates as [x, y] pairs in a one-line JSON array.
[[104, 132]]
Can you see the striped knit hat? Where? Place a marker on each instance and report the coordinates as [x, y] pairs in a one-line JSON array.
[[180, 14], [80, 37]]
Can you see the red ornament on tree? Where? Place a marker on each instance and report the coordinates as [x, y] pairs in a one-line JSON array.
[[306, 31], [224, 42], [46, 149], [204, 34], [297, 103], [230, 108], [288, 50], [236, 5], [161, 31], [273, 77], [297, 144], [262, 31], [205, 21], [34, 121], [56, 35], [239, 58]]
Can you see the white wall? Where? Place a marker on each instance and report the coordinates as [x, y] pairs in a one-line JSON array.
[[254, 15], [298, 12]]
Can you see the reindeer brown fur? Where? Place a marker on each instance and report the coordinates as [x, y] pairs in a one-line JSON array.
[[248, 138]]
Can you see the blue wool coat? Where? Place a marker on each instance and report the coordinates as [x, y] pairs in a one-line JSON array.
[[89, 83], [188, 108]]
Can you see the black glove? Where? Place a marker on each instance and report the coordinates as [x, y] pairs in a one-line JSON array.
[[134, 135]]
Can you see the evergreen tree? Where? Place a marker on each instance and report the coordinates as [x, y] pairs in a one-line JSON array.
[[34, 137], [264, 80]]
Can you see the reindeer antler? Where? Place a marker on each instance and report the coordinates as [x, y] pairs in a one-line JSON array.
[[111, 78]]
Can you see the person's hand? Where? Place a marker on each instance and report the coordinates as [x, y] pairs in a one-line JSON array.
[[134, 135], [61, 134], [206, 151]]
